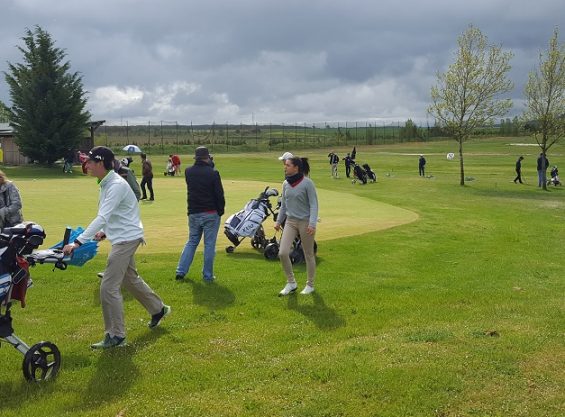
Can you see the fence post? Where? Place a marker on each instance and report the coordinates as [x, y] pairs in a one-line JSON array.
[[177, 134], [162, 144]]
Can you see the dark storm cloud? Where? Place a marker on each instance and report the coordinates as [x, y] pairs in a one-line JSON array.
[[290, 61]]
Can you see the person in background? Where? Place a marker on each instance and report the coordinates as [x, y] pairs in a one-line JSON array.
[[542, 165], [127, 174], [299, 213], [285, 156], [206, 205], [147, 174], [348, 161], [519, 170], [118, 219], [83, 159], [10, 203], [176, 163], [69, 159], [334, 159], [422, 166]]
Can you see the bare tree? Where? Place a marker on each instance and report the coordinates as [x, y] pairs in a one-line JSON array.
[[467, 94], [545, 98]]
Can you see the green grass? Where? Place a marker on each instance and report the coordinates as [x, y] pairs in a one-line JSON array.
[[456, 311]]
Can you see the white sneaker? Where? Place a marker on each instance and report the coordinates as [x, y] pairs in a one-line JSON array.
[[100, 275], [307, 290], [288, 288]]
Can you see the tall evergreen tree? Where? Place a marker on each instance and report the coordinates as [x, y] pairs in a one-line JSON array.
[[48, 103], [4, 113]]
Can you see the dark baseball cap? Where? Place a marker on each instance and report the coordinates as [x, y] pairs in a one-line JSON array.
[[100, 153], [201, 153]]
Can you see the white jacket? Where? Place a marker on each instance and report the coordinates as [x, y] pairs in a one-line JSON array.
[[118, 212]]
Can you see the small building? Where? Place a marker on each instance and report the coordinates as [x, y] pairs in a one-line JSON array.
[[10, 151]]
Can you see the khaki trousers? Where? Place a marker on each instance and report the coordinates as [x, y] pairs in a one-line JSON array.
[[293, 228], [121, 272]]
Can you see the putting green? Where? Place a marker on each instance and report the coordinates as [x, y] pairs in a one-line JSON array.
[[57, 203]]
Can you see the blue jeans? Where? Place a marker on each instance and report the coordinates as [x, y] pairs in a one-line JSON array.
[[198, 224]]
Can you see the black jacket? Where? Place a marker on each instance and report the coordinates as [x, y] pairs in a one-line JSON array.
[[540, 166], [205, 190]]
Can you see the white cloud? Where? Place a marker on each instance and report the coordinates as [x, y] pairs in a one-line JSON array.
[[111, 98], [292, 61]]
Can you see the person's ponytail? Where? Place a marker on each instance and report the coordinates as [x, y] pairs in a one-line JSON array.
[[305, 169]]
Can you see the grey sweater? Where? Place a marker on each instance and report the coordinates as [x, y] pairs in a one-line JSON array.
[[299, 202], [10, 205]]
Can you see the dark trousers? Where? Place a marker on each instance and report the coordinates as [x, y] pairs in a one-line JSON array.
[[149, 182], [518, 176], [347, 171], [421, 171]]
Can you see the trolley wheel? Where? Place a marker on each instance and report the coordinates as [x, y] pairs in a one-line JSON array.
[[41, 362], [230, 249], [256, 243], [297, 256], [271, 251]]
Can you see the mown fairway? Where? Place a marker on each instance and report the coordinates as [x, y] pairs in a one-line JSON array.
[[432, 299]]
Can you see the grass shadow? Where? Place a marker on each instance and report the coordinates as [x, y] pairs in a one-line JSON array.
[[324, 317], [211, 295], [115, 373]]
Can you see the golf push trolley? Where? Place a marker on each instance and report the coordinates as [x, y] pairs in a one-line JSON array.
[[18, 252], [248, 222]]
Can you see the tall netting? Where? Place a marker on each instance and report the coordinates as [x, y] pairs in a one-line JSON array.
[[171, 137]]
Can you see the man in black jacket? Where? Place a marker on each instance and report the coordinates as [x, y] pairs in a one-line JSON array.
[[542, 164], [519, 170], [205, 207]]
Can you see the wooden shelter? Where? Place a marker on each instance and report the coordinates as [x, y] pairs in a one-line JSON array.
[[10, 151]]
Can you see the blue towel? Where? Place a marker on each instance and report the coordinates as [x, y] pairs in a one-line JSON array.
[[84, 252]]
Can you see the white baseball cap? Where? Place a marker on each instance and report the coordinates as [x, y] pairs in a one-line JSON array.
[[285, 156]]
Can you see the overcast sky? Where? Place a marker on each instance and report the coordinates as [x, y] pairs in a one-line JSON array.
[[285, 61]]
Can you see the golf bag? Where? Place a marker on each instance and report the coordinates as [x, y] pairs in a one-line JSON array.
[[17, 254], [554, 177], [359, 174], [371, 176], [296, 254], [248, 222]]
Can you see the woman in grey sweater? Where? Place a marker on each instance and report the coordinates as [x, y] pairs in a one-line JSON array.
[[299, 213], [10, 203]]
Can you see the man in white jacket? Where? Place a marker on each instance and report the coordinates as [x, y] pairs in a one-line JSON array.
[[118, 220]]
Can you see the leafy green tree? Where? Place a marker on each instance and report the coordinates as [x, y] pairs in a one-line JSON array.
[[409, 130], [466, 96], [545, 97], [48, 103]]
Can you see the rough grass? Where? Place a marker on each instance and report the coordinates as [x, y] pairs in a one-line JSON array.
[[458, 312]]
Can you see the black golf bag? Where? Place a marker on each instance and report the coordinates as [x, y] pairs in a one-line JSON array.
[[359, 174], [17, 254], [554, 180], [371, 176], [296, 254]]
